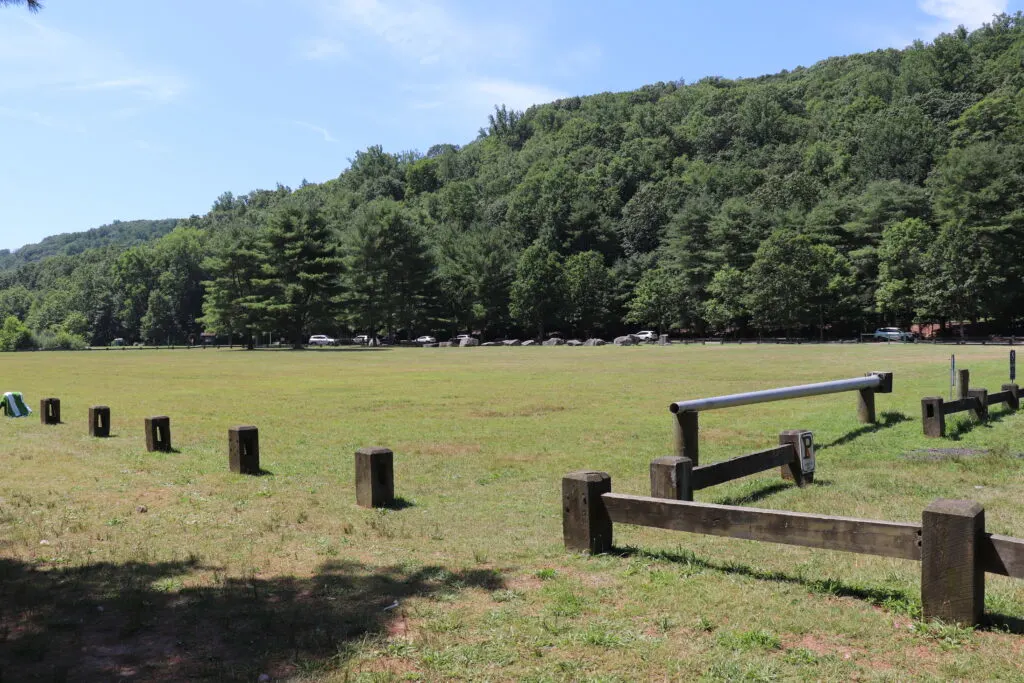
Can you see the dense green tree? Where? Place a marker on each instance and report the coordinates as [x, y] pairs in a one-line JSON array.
[[390, 270], [535, 300], [901, 262], [14, 335], [233, 292], [300, 280], [587, 291], [659, 301], [724, 309]]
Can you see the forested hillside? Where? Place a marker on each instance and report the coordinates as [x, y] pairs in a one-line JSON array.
[[118, 234], [876, 187]]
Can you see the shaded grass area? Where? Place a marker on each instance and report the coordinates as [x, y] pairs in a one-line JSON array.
[[205, 575]]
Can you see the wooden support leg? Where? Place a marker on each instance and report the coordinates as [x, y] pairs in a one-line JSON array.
[[687, 433], [866, 406]]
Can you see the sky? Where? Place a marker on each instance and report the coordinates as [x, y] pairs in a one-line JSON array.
[[121, 109]]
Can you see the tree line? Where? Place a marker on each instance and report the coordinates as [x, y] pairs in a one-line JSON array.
[[879, 188]]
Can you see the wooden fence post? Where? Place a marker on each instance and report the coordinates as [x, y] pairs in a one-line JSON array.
[[244, 449], [963, 383], [375, 477], [952, 577], [793, 471], [1014, 402], [980, 411], [866, 406], [158, 433], [99, 421], [687, 432], [49, 411], [932, 417], [671, 477], [586, 526]]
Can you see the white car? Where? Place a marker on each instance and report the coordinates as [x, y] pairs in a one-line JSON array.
[[893, 334], [426, 339], [460, 337], [361, 339], [647, 335], [321, 340]]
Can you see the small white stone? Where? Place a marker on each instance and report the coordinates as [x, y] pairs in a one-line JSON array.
[[979, 487], [44, 542]]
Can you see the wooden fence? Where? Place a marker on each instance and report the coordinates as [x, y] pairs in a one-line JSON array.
[[950, 542], [676, 477], [976, 401]]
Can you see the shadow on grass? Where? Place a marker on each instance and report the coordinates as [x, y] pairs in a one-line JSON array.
[[765, 492], [889, 419], [966, 424], [138, 621], [400, 503], [895, 600]]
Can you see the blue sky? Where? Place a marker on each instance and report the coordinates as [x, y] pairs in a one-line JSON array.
[[121, 109]]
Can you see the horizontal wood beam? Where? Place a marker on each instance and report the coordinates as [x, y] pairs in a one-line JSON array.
[[1003, 555], [869, 537], [742, 466], [1000, 397], [960, 405]]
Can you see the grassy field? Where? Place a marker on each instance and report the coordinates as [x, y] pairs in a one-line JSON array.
[[117, 564]]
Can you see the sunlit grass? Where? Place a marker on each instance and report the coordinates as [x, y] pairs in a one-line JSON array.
[[300, 576]]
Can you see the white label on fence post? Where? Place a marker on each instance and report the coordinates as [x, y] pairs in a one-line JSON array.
[[807, 452]]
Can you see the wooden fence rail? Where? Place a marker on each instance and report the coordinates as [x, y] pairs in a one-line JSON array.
[[976, 401], [950, 542]]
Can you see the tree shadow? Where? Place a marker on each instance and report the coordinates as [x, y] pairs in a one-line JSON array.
[[893, 599], [967, 424], [138, 621], [889, 419]]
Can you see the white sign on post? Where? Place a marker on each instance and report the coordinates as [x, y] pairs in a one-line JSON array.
[[807, 452]]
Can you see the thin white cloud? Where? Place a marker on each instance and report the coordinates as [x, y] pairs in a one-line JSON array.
[[316, 129], [514, 95], [426, 31], [321, 49], [39, 58], [39, 119], [969, 13]]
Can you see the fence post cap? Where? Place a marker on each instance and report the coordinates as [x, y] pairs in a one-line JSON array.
[[670, 460], [375, 450], [951, 506], [588, 476], [243, 428]]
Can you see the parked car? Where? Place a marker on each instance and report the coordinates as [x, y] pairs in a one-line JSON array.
[[893, 334], [426, 339], [460, 337], [322, 340], [647, 335], [361, 339]]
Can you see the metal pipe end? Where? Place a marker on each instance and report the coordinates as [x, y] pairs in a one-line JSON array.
[[673, 408]]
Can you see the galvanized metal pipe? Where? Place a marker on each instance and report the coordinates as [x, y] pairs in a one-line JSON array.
[[780, 394]]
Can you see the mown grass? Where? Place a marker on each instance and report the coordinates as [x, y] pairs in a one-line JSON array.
[[117, 563]]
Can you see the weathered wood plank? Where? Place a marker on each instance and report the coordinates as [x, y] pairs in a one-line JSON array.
[[742, 466], [887, 539], [1003, 555], [960, 405], [1000, 397]]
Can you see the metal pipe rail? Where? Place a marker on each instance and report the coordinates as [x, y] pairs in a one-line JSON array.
[[686, 412], [697, 405]]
